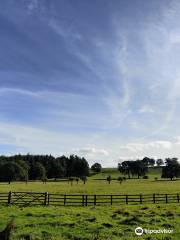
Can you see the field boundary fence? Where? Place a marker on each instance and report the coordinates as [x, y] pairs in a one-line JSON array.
[[55, 199]]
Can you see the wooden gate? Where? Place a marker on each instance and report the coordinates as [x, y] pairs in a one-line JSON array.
[[27, 198]]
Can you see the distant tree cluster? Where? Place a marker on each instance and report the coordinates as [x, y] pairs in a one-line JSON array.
[[36, 167], [138, 168], [133, 168], [172, 168], [150, 162], [159, 162]]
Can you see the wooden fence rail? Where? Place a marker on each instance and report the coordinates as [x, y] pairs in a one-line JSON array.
[[54, 199]]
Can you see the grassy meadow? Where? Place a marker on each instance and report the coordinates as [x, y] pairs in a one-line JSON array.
[[94, 223], [93, 186]]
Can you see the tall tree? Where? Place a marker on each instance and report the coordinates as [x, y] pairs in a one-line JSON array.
[[96, 167], [58, 170], [139, 168], [159, 162], [38, 171], [125, 168], [77, 166], [84, 179], [109, 178], [11, 171], [25, 166], [172, 168], [63, 166], [148, 161]]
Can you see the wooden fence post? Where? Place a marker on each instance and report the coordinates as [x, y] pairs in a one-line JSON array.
[[48, 198], [154, 198], [111, 199], [9, 197], [178, 197], [83, 200], [166, 198], [94, 200], [126, 199], [64, 199], [45, 198], [141, 198], [86, 199]]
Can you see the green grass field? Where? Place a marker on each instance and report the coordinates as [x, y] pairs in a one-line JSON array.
[[94, 223], [130, 186], [90, 223]]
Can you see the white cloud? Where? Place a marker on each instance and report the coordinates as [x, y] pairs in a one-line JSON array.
[[174, 37], [141, 147], [40, 141], [91, 151], [152, 73], [58, 29], [146, 109], [118, 106], [177, 140], [32, 5], [65, 32], [125, 158], [5, 91], [35, 140], [148, 78]]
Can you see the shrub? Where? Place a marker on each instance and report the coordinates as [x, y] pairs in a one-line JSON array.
[[71, 179], [109, 178], [120, 179], [84, 179]]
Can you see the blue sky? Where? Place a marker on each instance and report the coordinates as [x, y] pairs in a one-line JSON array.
[[97, 78]]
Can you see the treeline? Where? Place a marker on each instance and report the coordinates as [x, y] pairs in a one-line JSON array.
[[41, 167], [139, 168], [133, 168]]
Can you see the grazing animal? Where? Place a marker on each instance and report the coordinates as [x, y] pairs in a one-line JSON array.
[[6, 233]]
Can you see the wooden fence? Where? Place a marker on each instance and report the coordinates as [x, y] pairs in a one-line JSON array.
[[45, 198]]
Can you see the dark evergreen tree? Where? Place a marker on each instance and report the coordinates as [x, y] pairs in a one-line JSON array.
[[38, 171], [42, 166], [11, 171]]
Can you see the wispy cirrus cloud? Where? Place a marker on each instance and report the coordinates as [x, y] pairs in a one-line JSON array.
[[21, 91], [146, 109], [114, 74], [140, 147]]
